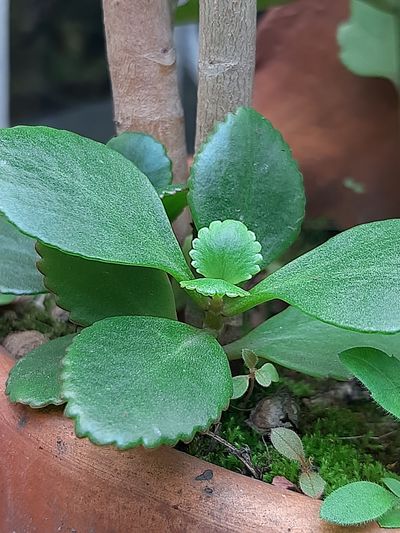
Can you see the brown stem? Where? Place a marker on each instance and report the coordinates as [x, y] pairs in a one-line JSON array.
[[142, 65], [243, 455], [226, 60]]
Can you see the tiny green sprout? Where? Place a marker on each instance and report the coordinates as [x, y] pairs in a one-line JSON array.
[[226, 250], [264, 375], [289, 444]]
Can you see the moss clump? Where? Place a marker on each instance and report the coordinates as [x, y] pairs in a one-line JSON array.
[[337, 439], [26, 314]]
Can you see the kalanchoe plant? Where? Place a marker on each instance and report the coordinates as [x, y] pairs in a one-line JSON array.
[[135, 374]]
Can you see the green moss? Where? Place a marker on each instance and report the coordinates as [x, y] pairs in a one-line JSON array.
[[26, 315], [337, 439]]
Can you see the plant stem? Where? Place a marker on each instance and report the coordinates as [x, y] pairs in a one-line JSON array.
[[227, 60], [213, 319], [142, 65]]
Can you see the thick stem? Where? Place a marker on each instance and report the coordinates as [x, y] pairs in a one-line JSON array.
[[227, 60], [142, 65]]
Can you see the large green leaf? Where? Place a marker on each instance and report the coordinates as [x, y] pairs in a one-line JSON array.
[[351, 281], [36, 379], [18, 273], [81, 197], [356, 503], [245, 171], [370, 39], [379, 373], [92, 290], [144, 380], [297, 341], [147, 154]]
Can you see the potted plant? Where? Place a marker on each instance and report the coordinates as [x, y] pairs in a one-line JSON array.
[[135, 376]]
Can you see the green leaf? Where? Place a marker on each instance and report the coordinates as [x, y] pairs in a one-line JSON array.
[[174, 199], [36, 379], [370, 39], [226, 250], [6, 299], [288, 443], [213, 287], [297, 341], [351, 281], [250, 358], [18, 273], [240, 386], [92, 290], [147, 154], [356, 503], [391, 519], [393, 485], [379, 373], [312, 484], [266, 375], [83, 198], [245, 171], [144, 380]]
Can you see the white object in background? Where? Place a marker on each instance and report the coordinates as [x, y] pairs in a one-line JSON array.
[[4, 63]]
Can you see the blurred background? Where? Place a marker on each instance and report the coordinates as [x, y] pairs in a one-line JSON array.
[[343, 127]]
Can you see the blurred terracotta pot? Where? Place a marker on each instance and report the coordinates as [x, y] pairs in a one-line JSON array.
[[53, 482], [338, 125]]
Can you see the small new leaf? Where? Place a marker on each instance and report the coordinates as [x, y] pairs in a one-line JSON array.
[[240, 386], [213, 287], [226, 250], [288, 443], [250, 359], [312, 484], [356, 503], [266, 375]]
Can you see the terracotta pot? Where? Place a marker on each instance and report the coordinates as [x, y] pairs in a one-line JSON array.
[[338, 125], [53, 482]]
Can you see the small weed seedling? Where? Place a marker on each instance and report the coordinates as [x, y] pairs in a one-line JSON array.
[[289, 444], [135, 375]]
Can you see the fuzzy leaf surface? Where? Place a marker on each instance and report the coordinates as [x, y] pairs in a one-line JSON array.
[[379, 373], [351, 281], [92, 290], [312, 484], [244, 171], [287, 443], [393, 485], [18, 272], [35, 380], [356, 503], [148, 381], [240, 386], [147, 154], [83, 198], [266, 374], [297, 341]]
